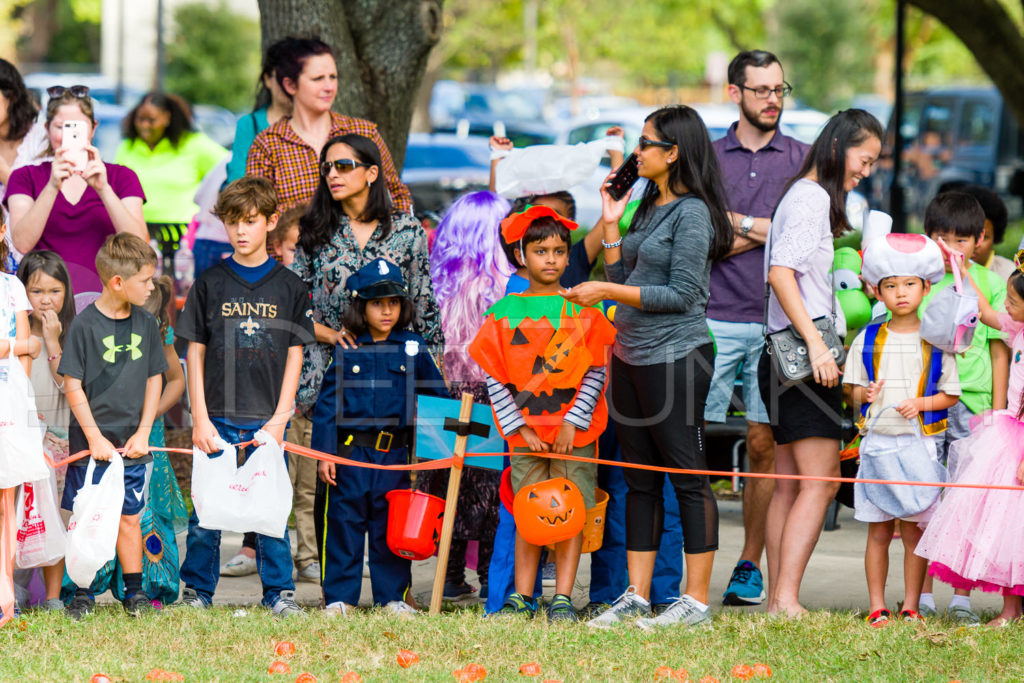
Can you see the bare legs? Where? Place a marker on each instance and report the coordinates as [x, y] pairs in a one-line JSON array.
[[640, 566], [757, 493], [795, 517]]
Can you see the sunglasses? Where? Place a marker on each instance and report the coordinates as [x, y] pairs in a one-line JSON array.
[[341, 166], [645, 143], [79, 91]]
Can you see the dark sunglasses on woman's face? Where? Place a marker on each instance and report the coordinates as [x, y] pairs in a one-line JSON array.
[[79, 91], [645, 143], [341, 165]]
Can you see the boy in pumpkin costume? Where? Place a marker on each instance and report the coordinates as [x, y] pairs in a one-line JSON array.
[[546, 365]]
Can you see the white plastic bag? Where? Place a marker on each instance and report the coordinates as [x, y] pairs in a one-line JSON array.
[[543, 169], [254, 497], [95, 518], [41, 538], [21, 430]]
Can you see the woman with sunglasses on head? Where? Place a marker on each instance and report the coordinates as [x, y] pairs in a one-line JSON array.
[[806, 418], [70, 205], [161, 144], [663, 359], [288, 150]]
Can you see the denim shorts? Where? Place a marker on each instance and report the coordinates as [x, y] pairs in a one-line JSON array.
[[738, 349]]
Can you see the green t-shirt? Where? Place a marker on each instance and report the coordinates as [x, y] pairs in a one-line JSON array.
[[170, 176], [975, 366]]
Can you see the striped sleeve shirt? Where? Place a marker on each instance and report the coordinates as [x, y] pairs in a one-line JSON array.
[[511, 419]]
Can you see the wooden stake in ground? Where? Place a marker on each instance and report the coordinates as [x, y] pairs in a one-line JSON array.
[[450, 503]]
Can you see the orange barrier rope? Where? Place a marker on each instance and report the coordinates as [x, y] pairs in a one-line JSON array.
[[444, 463]]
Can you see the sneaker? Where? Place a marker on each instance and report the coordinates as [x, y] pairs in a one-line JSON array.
[[458, 591], [561, 609], [483, 590], [311, 572], [927, 611], [627, 605], [190, 598], [963, 616], [285, 606], [400, 608], [684, 611], [880, 618], [80, 607], [338, 609], [53, 605], [746, 586], [910, 615], [239, 565], [547, 575], [137, 604], [518, 604]]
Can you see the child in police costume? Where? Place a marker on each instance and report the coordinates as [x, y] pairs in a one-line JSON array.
[[905, 387], [365, 412]]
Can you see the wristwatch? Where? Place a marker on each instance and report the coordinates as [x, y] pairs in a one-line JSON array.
[[746, 225]]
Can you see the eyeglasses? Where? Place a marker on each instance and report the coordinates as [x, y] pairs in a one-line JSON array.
[[79, 91], [341, 166], [764, 92], [645, 143]]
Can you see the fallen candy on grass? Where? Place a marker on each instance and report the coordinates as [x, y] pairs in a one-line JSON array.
[[305, 677], [279, 667], [709, 679], [762, 670], [744, 672], [100, 678], [529, 669], [163, 675], [470, 673], [407, 658], [351, 677], [284, 648]]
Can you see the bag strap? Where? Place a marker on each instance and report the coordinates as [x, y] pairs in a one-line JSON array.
[[893, 406], [955, 259]]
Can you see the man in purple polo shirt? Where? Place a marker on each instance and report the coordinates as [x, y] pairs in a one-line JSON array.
[[757, 160]]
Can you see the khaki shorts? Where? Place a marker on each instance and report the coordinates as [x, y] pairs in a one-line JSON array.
[[530, 469]]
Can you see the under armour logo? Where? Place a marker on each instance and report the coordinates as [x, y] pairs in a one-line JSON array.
[[110, 355], [249, 326]]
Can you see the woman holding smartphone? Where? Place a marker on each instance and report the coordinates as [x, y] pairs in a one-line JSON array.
[[71, 211], [806, 418], [663, 359]]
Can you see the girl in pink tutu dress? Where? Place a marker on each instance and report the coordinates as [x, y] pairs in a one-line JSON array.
[[975, 539]]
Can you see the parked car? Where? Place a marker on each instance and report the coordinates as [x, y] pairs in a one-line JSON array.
[[440, 167], [956, 134]]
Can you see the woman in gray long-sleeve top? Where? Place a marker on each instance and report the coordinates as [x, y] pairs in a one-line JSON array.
[[663, 361]]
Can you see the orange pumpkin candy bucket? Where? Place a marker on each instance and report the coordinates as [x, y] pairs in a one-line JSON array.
[[414, 523]]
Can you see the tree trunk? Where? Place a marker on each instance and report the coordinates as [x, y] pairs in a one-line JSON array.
[[992, 36], [380, 47]]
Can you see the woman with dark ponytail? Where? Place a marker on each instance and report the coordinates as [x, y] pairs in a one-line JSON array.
[[664, 359]]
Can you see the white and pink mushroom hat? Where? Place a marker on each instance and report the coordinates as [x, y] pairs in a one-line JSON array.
[[902, 255]]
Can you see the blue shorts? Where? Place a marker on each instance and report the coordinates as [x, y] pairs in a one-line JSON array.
[[135, 478], [737, 352]]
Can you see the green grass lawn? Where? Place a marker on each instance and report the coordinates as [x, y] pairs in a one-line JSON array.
[[216, 646]]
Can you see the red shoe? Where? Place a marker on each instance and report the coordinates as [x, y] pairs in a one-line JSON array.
[[880, 618], [910, 615]]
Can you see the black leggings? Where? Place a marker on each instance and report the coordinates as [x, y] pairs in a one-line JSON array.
[[659, 416]]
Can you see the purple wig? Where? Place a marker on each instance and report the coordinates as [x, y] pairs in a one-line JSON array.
[[469, 271]]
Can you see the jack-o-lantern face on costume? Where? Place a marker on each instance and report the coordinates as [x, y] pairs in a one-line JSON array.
[[549, 511]]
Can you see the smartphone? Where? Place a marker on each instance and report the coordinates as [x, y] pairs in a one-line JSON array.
[[626, 176], [75, 138]]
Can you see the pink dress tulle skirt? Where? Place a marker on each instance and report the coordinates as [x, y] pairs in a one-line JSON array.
[[975, 539]]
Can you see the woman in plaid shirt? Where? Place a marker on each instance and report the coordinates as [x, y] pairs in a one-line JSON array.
[[287, 151]]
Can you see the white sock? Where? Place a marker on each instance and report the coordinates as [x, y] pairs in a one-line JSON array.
[[960, 601], [927, 600], [697, 602]]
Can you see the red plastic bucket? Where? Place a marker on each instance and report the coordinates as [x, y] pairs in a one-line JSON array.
[[414, 523]]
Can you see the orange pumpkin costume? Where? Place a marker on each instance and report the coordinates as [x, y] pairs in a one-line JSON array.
[[540, 346]]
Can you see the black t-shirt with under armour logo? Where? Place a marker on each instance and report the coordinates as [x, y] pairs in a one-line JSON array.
[[247, 328], [113, 358]]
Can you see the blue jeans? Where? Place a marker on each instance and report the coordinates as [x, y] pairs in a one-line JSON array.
[[201, 569]]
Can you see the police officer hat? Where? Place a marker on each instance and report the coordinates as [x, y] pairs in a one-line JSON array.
[[377, 279]]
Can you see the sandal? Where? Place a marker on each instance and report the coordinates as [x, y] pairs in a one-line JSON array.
[[910, 615], [880, 618]]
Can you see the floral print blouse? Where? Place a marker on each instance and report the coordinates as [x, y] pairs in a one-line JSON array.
[[326, 270]]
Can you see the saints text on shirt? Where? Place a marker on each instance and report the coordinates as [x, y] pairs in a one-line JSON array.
[[241, 309]]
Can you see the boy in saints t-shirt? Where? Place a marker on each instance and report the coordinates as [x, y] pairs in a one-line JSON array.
[[246, 319]]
